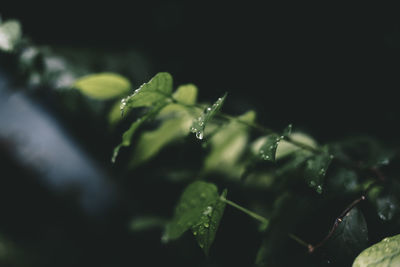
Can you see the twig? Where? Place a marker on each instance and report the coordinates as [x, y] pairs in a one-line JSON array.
[[338, 220]]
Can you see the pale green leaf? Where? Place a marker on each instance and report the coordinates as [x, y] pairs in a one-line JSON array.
[[10, 35], [193, 203], [175, 123], [385, 253], [157, 89], [200, 123], [206, 228], [228, 145], [143, 223], [103, 86], [127, 136], [186, 94]]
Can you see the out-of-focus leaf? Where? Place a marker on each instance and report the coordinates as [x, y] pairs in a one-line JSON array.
[[186, 94], [157, 89], [127, 136], [200, 123], [114, 115], [227, 146], [103, 86], [10, 35], [315, 170], [144, 223], [344, 180], [206, 228], [175, 123], [385, 253], [195, 200]]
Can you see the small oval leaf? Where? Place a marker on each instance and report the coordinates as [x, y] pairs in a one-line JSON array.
[[103, 86], [385, 253]]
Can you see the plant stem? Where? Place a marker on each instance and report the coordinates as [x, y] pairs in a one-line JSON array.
[[338, 220], [248, 212]]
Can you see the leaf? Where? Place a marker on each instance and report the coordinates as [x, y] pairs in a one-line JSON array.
[[228, 145], [315, 170], [350, 237], [385, 253], [206, 228], [157, 89], [268, 149], [127, 136], [144, 223], [200, 123], [193, 203], [287, 131], [175, 123], [103, 86], [186, 94], [10, 35], [114, 115]]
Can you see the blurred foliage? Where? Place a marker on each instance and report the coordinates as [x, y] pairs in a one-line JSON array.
[[293, 187]]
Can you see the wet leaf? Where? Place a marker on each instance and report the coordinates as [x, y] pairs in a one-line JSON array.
[[207, 226], [200, 123], [175, 123], [103, 86], [157, 89], [268, 149], [193, 203], [315, 170], [385, 253], [127, 136]]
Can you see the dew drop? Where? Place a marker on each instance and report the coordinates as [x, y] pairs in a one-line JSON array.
[[199, 135], [319, 189]]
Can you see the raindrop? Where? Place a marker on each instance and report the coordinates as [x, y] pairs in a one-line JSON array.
[[319, 189], [199, 135]]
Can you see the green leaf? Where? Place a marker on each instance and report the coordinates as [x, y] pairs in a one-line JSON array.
[[186, 94], [157, 89], [268, 149], [175, 122], [385, 253], [103, 86], [197, 199], [144, 223], [10, 35], [114, 115], [127, 136], [350, 237], [200, 123], [287, 131], [316, 168], [228, 145], [207, 226]]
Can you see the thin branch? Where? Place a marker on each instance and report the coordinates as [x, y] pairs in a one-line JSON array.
[[248, 212], [338, 220]]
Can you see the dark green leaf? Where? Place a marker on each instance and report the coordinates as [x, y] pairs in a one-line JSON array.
[[193, 203], [10, 35], [385, 253], [207, 226], [103, 85], [127, 136], [350, 237], [315, 170], [387, 207], [268, 149], [157, 89], [199, 124]]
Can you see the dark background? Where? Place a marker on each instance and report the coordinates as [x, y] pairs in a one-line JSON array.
[[331, 66], [330, 70]]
